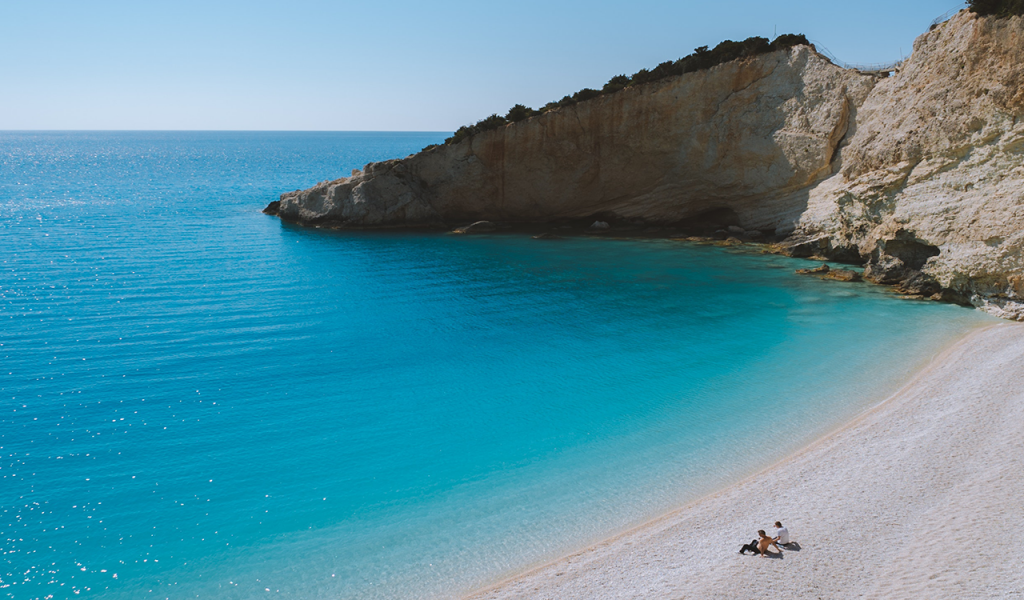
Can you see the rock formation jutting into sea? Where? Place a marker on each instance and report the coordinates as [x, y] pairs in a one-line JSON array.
[[918, 176]]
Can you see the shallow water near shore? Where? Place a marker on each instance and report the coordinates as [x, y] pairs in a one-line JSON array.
[[200, 401]]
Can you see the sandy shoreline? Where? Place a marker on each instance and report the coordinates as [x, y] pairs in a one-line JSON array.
[[920, 497]]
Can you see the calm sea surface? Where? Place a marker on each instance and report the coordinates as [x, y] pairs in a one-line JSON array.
[[198, 401]]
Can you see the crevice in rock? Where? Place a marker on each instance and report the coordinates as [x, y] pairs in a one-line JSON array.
[[711, 220], [912, 252], [898, 261]]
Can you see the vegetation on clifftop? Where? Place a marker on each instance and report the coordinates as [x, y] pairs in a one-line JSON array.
[[997, 8], [701, 59]]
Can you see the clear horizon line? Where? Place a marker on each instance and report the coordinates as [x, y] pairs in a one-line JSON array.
[[223, 131]]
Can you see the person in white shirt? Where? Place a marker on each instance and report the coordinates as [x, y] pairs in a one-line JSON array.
[[781, 533]]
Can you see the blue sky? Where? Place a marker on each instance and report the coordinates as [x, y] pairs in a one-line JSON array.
[[397, 65]]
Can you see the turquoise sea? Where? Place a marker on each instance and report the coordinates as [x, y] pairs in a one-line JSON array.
[[198, 401]]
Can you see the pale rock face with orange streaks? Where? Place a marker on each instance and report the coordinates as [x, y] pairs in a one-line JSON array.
[[920, 176], [748, 136], [935, 170]]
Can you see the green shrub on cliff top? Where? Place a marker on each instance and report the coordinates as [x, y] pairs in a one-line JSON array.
[[585, 94], [491, 122], [998, 8], [788, 40], [701, 58], [615, 84], [519, 112]]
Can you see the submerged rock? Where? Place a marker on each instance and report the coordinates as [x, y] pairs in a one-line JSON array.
[[692, 238], [842, 275], [822, 269], [828, 273]]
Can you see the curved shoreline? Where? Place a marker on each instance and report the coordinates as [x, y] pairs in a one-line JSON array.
[[916, 497]]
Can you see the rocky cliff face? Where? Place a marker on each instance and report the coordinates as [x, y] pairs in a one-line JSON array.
[[744, 139], [930, 194], [919, 176]]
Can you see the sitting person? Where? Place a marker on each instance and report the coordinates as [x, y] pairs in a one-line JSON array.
[[781, 533], [765, 541], [760, 545], [752, 546]]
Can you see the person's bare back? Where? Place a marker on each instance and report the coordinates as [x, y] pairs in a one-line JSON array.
[[765, 542]]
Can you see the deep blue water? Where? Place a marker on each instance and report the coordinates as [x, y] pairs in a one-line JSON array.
[[197, 400]]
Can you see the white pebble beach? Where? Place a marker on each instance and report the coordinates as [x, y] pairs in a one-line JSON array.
[[919, 497]]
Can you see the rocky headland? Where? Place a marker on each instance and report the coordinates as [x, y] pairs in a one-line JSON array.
[[918, 176], [929, 192]]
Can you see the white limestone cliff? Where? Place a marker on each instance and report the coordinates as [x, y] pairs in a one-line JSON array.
[[933, 179], [919, 176], [744, 139]]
